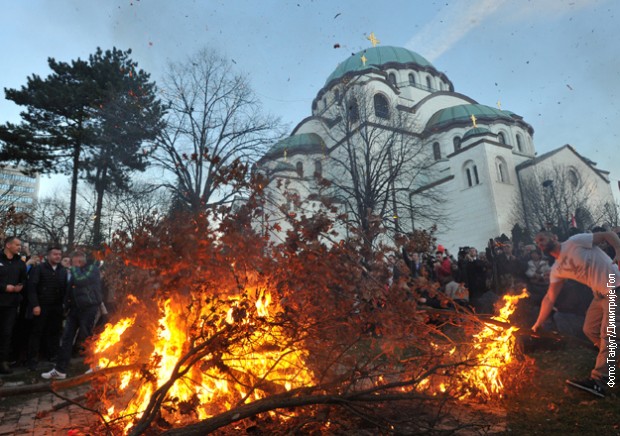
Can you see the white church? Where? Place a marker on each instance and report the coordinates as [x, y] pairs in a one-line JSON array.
[[474, 157]]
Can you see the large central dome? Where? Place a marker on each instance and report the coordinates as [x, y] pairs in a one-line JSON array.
[[378, 57]]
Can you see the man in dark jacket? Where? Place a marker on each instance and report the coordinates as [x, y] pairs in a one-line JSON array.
[[12, 278], [83, 300], [47, 286]]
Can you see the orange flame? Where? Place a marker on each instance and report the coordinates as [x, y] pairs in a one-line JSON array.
[[264, 360], [488, 360]]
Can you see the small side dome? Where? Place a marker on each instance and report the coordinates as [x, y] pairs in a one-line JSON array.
[[477, 131], [462, 114], [307, 143]]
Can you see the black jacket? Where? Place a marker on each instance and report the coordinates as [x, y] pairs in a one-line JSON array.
[[12, 272], [84, 287], [46, 286]]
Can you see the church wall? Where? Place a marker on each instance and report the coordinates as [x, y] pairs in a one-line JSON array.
[[471, 209], [504, 185], [600, 190]]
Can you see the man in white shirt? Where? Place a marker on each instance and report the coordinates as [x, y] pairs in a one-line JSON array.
[[579, 259]]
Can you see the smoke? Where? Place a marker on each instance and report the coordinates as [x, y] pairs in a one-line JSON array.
[[459, 18]]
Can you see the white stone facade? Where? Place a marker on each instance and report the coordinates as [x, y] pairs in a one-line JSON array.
[[479, 176]]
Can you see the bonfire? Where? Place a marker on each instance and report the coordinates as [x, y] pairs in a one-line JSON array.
[[242, 329]]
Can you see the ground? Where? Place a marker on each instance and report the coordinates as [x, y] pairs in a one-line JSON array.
[[548, 406]]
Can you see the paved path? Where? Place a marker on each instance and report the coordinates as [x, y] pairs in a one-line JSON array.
[[32, 414]]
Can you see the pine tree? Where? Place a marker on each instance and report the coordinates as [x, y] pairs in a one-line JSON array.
[[87, 118]]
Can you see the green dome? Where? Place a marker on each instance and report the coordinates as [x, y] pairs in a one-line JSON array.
[[476, 131], [302, 142], [375, 58], [463, 113]]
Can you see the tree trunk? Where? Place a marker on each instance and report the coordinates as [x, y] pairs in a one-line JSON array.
[[100, 187], [73, 201]]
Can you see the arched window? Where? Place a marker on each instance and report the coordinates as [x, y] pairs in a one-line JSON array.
[[436, 151], [573, 177], [501, 138], [392, 78], [381, 106], [318, 168], [471, 173], [519, 143], [428, 83], [299, 167], [336, 95], [411, 79], [457, 143], [502, 170], [353, 110]]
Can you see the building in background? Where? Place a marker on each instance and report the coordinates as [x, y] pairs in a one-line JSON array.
[[18, 190], [478, 159]]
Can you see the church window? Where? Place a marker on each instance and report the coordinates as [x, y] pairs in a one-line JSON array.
[[353, 111], [381, 106], [336, 95], [501, 138], [502, 170], [411, 79], [300, 169], [318, 168], [457, 143], [519, 143], [471, 173], [392, 79], [436, 151], [428, 83], [573, 177]]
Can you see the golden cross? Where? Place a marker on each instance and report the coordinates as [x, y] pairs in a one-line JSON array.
[[373, 39], [473, 120], [363, 58], [499, 104]]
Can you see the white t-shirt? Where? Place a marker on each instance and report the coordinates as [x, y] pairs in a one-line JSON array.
[[579, 260]]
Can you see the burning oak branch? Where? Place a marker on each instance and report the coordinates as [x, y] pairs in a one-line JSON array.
[[223, 328]]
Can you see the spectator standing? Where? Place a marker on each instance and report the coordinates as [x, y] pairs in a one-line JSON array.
[[47, 287], [538, 276], [12, 279], [83, 300], [509, 269], [475, 275]]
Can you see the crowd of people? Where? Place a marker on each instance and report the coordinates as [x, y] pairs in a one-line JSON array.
[[49, 305], [570, 284]]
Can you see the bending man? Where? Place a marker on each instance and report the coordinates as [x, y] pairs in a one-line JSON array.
[[579, 259]]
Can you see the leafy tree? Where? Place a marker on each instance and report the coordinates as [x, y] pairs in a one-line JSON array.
[[129, 115], [86, 116], [56, 124]]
